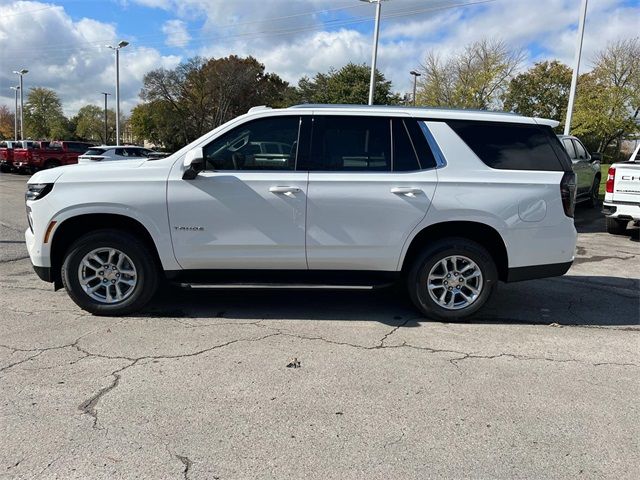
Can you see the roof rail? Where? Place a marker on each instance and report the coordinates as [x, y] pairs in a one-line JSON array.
[[258, 108]]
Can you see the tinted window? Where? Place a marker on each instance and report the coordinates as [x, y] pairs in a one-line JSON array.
[[341, 143], [77, 147], [425, 154], [568, 146], [581, 153], [94, 151], [250, 146], [509, 146], [404, 155]]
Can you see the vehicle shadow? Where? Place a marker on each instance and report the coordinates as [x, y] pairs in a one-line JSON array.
[[567, 300], [592, 220]]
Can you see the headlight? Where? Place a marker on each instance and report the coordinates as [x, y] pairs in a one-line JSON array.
[[36, 191]]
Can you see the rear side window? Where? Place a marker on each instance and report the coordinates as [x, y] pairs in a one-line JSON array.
[[510, 146], [580, 151], [404, 155], [568, 146], [356, 144], [95, 151]]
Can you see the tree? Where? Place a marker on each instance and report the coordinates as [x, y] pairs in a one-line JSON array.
[[89, 124], [201, 94], [43, 117], [541, 91], [476, 77], [349, 85], [6, 123], [608, 98]]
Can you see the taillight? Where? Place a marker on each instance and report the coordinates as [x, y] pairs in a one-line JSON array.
[[611, 178], [568, 193]]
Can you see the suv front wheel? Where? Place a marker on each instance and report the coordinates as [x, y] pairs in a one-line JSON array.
[[109, 272], [452, 279]]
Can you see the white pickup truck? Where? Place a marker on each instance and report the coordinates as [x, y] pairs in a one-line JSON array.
[[622, 196]]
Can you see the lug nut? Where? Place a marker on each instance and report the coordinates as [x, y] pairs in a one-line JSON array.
[[450, 288], [100, 272], [460, 279], [104, 280], [118, 276], [113, 281]]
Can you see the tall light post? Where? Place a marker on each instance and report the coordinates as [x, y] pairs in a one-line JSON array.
[[15, 116], [415, 81], [374, 54], [121, 44], [106, 125], [576, 68], [21, 73]]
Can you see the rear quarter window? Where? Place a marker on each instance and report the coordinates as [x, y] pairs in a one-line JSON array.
[[510, 146], [94, 151]]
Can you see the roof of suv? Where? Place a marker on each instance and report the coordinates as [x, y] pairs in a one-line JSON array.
[[428, 112]]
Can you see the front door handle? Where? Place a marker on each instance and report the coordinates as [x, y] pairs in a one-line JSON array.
[[286, 190], [406, 191]]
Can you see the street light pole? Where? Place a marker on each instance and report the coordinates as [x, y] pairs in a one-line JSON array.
[[415, 80], [121, 44], [576, 68], [21, 73], [106, 125], [15, 116], [374, 53]]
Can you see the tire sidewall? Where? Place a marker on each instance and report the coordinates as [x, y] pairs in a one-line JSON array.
[[129, 245], [425, 262]]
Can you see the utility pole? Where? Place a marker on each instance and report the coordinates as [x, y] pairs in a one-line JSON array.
[[415, 80], [121, 44], [21, 73], [106, 124], [576, 68], [15, 116], [374, 53]]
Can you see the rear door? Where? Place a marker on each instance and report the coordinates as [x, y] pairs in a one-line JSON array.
[[367, 191]]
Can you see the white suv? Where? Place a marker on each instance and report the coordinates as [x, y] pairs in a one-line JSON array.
[[448, 202], [104, 153]]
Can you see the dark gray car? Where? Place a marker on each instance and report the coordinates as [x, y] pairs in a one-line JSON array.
[[586, 166]]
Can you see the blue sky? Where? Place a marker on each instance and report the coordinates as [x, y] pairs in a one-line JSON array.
[[62, 42]]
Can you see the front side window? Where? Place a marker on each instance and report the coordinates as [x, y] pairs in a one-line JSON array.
[[341, 143], [581, 153], [264, 144]]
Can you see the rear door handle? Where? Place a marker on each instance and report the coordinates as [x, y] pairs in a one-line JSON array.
[[286, 190], [406, 191]]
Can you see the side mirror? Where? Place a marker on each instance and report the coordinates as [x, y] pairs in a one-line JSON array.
[[194, 163], [596, 157]]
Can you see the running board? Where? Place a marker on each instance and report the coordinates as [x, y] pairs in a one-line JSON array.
[[276, 286]]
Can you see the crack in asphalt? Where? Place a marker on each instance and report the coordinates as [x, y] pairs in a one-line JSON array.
[[187, 463]]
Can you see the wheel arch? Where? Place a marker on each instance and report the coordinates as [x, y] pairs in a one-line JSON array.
[[484, 234], [74, 227]]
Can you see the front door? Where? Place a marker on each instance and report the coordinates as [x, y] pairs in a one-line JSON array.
[[368, 189], [246, 210]]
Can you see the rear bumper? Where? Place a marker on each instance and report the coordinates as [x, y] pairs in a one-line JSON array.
[[518, 274], [622, 211]]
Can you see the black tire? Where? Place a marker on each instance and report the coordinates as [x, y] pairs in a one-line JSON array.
[[51, 164], [424, 262], [616, 227], [593, 200], [143, 260]]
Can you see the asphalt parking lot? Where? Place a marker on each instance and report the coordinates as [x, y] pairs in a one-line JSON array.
[[543, 384]]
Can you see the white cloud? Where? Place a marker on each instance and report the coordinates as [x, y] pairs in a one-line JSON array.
[[292, 38], [69, 56], [176, 32]]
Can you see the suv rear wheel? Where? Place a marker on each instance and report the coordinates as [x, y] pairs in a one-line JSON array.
[[109, 272], [452, 279]]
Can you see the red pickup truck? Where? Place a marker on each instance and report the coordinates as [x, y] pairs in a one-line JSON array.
[[48, 155], [6, 154]]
